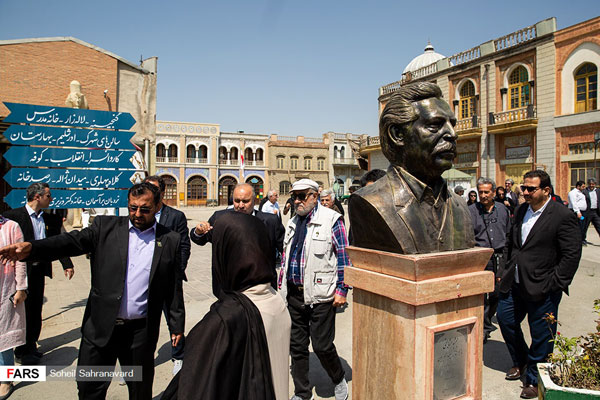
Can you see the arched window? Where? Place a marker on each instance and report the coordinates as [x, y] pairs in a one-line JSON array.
[[170, 198], [172, 153], [518, 87], [307, 163], [586, 88], [161, 152], [248, 155], [203, 154], [335, 152], [233, 155], [191, 153], [284, 187], [321, 164], [197, 189], [467, 100], [280, 162], [222, 155], [342, 151], [259, 154], [293, 162]]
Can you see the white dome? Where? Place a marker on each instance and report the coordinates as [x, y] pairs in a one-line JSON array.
[[423, 60]]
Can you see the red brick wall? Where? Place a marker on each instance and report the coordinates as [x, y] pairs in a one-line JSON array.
[[564, 137], [566, 41], [40, 73]]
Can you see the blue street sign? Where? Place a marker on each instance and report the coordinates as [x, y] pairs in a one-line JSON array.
[[70, 178], [25, 156], [47, 115], [70, 137], [74, 198]]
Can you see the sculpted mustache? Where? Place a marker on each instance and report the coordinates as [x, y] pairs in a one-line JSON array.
[[448, 147]]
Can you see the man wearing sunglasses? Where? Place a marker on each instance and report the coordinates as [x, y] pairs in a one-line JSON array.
[[312, 282], [544, 248], [411, 210], [135, 269]]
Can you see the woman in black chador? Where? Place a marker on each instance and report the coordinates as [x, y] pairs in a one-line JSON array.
[[239, 350]]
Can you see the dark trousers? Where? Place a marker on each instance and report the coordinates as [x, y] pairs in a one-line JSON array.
[[33, 311], [591, 217], [490, 303], [130, 345], [317, 324], [177, 351], [512, 308]]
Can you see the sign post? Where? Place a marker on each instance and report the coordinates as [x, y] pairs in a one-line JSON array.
[[86, 156]]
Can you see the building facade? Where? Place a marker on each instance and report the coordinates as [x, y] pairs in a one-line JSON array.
[[523, 101], [343, 168], [296, 157], [577, 114], [201, 164]]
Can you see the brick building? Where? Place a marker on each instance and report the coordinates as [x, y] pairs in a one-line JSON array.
[[517, 103], [39, 71], [577, 114]]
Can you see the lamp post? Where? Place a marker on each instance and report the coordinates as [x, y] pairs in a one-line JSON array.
[[596, 141]]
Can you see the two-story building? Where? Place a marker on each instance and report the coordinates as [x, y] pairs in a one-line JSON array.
[[201, 164], [296, 157]]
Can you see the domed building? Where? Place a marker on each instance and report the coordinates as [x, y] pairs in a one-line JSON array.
[[428, 57]]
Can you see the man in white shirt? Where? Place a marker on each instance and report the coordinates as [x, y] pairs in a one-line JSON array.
[[271, 206], [543, 255], [579, 206], [592, 196]]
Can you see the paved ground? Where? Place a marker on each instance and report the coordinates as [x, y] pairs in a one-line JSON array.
[[65, 301]]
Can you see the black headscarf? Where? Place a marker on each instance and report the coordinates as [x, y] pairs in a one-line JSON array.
[[226, 354]]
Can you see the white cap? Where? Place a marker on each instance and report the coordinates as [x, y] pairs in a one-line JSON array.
[[304, 184]]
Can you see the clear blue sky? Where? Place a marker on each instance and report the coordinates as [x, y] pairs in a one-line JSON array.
[[277, 66]]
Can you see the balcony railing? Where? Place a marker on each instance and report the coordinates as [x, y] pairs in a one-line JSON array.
[[465, 56], [313, 140], [518, 114], [166, 159], [287, 138], [467, 123], [228, 162], [254, 163], [515, 38], [346, 161], [197, 160], [369, 141]]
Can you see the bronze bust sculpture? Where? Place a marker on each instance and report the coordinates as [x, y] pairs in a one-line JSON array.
[[410, 210]]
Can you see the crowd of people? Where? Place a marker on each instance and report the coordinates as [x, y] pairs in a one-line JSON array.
[[277, 288]]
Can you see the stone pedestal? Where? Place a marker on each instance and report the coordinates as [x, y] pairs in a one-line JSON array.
[[417, 323]]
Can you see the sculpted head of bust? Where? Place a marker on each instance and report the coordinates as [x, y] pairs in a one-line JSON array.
[[416, 131]]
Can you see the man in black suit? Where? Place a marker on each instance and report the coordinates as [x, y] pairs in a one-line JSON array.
[[544, 248], [592, 214], [135, 263], [176, 221], [243, 201], [36, 224]]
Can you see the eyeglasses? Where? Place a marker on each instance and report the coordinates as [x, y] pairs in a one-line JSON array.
[[143, 210], [300, 196], [530, 189]]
